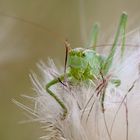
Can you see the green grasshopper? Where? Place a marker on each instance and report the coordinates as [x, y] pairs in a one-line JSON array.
[[85, 65]]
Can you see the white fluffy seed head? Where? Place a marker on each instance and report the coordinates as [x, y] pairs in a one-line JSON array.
[[85, 119]]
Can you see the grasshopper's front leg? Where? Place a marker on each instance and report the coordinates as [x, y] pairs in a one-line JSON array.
[[59, 101]]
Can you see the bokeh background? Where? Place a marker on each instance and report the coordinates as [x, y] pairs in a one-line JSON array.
[[33, 30]]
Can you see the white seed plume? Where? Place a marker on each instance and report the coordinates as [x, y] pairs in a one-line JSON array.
[[120, 119]]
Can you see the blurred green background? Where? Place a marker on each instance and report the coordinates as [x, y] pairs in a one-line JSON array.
[[33, 30]]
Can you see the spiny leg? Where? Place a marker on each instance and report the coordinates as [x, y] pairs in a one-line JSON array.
[[103, 110], [99, 91], [121, 29], [102, 101], [102, 97], [105, 82], [59, 101]]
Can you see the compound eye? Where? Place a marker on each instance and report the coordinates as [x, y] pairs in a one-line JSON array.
[[83, 54]]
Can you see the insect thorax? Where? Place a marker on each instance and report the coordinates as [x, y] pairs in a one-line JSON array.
[[83, 64]]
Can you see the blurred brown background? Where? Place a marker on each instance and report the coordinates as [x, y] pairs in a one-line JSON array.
[[31, 30]]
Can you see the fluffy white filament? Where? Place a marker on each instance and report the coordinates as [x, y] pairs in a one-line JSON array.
[[120, 120]]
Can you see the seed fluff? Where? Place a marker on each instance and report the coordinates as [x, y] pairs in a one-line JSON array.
[[86, 119]]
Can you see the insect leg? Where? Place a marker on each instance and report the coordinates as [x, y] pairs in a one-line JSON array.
[[60, 102], [121, 29], [102, 101], [103, 110]]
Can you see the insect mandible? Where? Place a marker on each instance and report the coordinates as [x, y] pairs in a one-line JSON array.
[[85, 65]]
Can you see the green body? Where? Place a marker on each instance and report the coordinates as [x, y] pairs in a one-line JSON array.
[[86, 65]]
